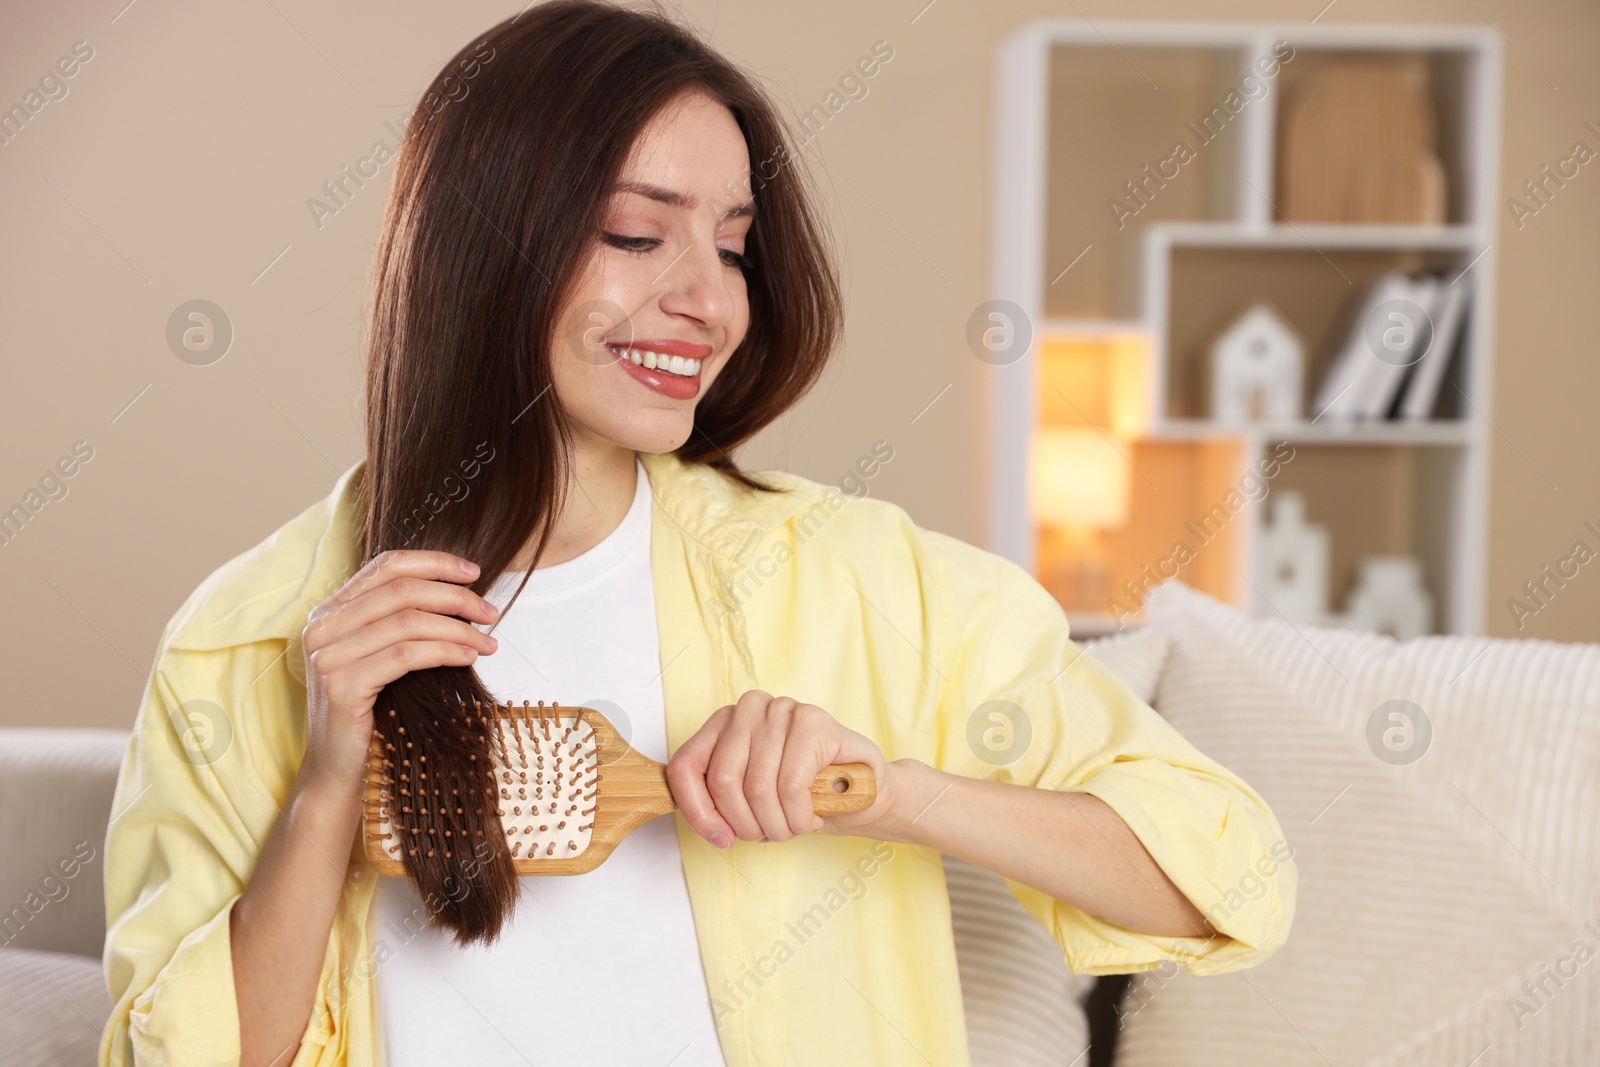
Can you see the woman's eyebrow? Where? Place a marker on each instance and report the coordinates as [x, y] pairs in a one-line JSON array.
[[687, 201]]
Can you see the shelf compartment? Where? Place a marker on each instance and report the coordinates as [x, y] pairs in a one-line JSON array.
[[1446, 78], [1094, 380], [1175, 487], [1382, 500], [1203, 289], [1107, 121]]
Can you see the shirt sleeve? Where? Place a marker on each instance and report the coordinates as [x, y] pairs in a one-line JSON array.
[[190, 813], [1022, 703]]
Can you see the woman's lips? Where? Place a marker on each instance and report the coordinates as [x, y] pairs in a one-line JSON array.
[[668, 366], [671, 347]]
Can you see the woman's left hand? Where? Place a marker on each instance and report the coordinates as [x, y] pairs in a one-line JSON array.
[[747, 772]]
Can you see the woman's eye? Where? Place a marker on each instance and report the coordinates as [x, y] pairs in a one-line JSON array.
[[631, 244], [642, 245]]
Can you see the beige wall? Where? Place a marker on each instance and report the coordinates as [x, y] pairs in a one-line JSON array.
[[179, 166]]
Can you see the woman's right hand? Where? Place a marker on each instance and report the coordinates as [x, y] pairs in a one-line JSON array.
[[397, 614]]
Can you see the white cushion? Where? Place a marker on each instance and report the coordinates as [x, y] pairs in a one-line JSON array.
[[1429, 891], [53, 1006], [1135, 657]]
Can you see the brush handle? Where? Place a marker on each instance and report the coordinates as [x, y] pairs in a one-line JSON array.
[[839, 789], [843, 788]]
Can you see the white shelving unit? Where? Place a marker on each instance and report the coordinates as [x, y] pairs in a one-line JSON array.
[[1442, 463]]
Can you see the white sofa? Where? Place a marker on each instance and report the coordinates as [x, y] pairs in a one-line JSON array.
[[1441, 899], [55, 800], [1442, 798]]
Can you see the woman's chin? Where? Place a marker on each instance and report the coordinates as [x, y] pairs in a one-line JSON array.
[[653, 432]]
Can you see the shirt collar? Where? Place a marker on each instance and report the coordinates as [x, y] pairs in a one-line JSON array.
[[267, 592]]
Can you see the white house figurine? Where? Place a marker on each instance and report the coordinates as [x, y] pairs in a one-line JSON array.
[[1256, 369], [1292, 562], [1390, 598]]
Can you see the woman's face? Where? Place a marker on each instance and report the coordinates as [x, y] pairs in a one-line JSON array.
[[661, 305]]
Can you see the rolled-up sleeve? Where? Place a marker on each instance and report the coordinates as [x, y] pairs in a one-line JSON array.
[[174, 867], [1022, 703], [196, 798]]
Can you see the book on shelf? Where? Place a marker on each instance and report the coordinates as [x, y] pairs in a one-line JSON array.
[[1354, 375], [1416, 322], [1401, 331], [1449, 312]]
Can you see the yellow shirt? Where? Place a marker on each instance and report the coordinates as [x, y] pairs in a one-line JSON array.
[[821, 949]]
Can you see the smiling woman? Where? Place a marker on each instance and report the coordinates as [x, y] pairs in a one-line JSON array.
[[565, 283]]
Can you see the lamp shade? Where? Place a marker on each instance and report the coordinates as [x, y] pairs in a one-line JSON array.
[[1079, 479]]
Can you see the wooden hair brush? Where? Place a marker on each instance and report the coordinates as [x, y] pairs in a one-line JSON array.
[[569, 787]]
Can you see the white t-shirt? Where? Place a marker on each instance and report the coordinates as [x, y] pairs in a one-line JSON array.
[[602, 967]]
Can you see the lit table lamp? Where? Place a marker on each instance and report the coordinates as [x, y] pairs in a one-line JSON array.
[[1081, 485]]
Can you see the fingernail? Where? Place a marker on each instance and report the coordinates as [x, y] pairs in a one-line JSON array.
[[467, 566], [721, 840]]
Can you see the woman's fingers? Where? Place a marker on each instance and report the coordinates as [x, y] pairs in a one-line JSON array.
[[725, 772], [768, 749], [396, 615], [356, 684], [408, 625], [808, 751], [434, 583], [748, 771], [686, 776], [400, 562]]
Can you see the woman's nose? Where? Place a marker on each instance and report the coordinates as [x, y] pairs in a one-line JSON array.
[[697, 285]]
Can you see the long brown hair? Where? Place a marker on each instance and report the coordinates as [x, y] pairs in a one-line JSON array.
[[498, 193]]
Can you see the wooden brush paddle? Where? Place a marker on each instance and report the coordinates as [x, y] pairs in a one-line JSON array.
[[569, 789]]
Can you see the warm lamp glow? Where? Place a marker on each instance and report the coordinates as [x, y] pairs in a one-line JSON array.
[[1092, 406], [1079, 479], [1095, 380]]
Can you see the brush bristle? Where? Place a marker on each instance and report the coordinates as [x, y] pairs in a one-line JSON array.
[[546, 769]]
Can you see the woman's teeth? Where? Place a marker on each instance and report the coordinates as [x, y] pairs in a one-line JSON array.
[[684, 368]]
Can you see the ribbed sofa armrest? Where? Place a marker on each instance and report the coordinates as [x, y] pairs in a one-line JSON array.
[[56, 787]]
